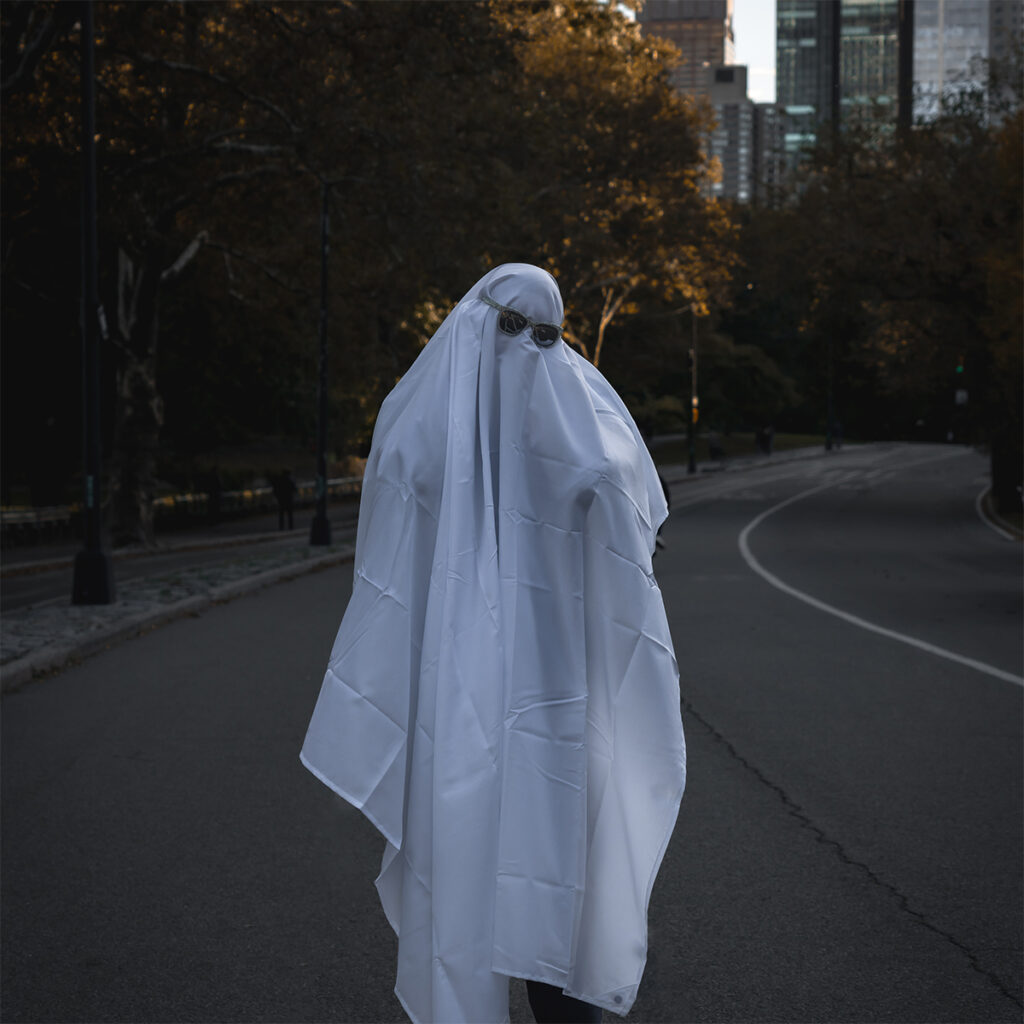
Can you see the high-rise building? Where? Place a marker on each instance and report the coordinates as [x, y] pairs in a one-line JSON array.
[[885, 60], [806, 68], [1005, 39], [869, 49], [702, 29], [843, 61], [1006, 27], [732, 140], [769, 152], [951, 38]]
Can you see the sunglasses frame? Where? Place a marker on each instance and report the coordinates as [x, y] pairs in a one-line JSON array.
[[503, 325]]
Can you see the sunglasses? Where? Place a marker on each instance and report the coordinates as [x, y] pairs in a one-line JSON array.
[[511, 321]]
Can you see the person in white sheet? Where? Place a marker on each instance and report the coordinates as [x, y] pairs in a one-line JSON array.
[[502, 698]]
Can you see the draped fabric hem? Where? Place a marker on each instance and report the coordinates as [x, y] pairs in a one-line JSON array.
[[349, 798]]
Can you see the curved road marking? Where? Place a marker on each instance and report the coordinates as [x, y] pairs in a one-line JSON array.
[[854, 620], [980, 509]]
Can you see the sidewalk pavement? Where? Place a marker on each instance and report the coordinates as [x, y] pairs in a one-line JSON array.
[[38, 640]]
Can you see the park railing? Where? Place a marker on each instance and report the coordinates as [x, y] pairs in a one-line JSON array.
[[22, 525]]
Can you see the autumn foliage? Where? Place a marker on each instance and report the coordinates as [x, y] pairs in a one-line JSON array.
[[452, 137]]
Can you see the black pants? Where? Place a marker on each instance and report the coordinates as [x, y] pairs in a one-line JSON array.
[[551, 1006]]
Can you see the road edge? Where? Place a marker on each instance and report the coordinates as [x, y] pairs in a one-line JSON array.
[[18, 673], [990, 517]]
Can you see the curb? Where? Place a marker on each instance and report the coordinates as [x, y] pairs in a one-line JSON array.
[[678, 473], [15, 674], [991, 518], [228, 541]]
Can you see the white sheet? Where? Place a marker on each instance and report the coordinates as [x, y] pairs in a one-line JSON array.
[[502, 697]]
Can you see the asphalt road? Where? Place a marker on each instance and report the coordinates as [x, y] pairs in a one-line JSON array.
[[849, 846]]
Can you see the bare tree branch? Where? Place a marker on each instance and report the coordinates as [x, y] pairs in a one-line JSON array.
[[212, 143], [186, 257], [249, 147], [184, 201], [267, 271], [29, 52], [191, 69]]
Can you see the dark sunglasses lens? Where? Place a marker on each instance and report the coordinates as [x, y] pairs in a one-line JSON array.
[[546, 334], [511, 322]]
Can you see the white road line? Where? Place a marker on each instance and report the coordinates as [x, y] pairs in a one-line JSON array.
[[854, 620], [980, 509]]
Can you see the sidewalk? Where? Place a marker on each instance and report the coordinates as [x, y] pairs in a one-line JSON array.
[[678, 473], [230, 532], [37, 640]]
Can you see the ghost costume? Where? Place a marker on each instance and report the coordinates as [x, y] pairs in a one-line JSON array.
[[502, 698]]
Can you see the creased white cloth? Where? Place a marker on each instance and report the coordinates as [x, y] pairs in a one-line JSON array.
[[502, 698]]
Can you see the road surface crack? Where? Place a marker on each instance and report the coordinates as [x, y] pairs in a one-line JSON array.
[[797, 812]]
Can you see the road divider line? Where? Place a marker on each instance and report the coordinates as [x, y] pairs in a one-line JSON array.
[[988, 520], [854, 620]]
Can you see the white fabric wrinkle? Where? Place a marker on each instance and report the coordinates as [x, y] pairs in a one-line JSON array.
[[514, 713], [518, 517], [338, 681], [407, 494]]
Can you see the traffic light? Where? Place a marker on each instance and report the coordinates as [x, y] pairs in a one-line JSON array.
[[695, 409], [960, 365]]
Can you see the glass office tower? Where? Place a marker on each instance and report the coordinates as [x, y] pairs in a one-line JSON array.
[[806, 68], [951, 38], [868, 60], [703, 31]]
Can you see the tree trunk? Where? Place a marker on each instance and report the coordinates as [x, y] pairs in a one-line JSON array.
[[610, 307], [139, 406], [1006, 460]]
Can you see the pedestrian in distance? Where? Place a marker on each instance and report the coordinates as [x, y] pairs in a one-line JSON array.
[[715, 450], [214, 496], [502, 697], [284, 493]]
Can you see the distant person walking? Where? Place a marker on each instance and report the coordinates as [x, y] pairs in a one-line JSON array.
[[284, 492], [214, 496]]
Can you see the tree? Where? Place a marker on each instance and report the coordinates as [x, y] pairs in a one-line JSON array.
[[900, 258], [611, 169], [209, 112], [451, 137]]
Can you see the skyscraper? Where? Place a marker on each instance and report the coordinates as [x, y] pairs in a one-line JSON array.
[[702, 29], [953, 39], [884, 60], [1006, 27], [869, 60], [806, 68], [950, 39], [842, 61], [769, 152], [732, 140]]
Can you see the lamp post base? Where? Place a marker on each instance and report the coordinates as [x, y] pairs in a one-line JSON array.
[[320, 531], [94, 579]]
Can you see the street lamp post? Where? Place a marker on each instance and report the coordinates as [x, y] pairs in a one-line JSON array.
[[829, 411], [692, 424], [320, 529], [93, 581]]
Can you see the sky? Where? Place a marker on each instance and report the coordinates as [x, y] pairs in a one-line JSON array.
[[754, 28]]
